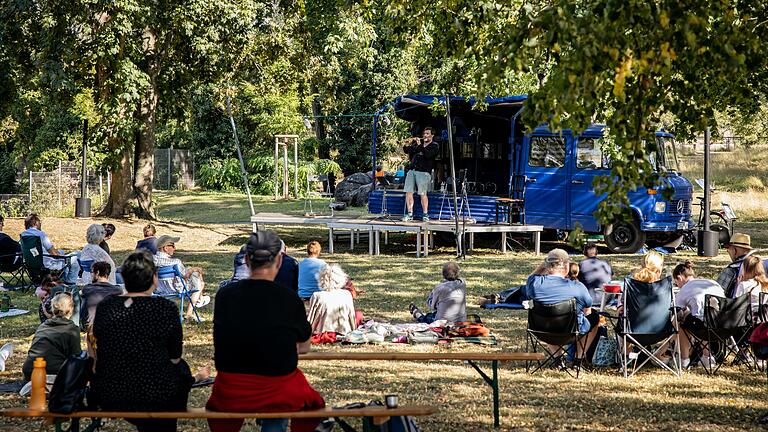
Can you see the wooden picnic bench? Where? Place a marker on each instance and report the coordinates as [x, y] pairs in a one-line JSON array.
[[377, 415], [468, 357]]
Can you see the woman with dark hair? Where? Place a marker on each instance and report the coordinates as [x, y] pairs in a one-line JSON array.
[[138, 349]]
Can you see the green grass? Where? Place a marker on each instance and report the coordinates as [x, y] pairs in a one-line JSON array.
[[601, 400]]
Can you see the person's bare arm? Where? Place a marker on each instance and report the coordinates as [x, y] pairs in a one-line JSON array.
[[587, 311], [304, 347]]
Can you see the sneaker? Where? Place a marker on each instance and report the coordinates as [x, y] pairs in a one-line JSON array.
[[708, 362], [425, 218], [203, 301], [5, 352], [408, 217]]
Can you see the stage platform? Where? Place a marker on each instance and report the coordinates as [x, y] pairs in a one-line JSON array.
[[375, 226]]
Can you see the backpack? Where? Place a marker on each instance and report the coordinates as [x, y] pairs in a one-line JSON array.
[[71, 384], [394, 424]]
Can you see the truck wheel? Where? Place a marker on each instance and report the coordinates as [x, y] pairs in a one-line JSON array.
[[624, 237]]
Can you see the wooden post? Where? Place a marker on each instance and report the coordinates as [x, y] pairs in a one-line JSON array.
[[285, 170], [277, 155], [296, 167]]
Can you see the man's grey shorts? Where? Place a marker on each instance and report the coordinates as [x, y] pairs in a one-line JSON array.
[[417, 180]]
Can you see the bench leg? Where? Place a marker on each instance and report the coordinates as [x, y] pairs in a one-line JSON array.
[[74, 425], [492, 381]]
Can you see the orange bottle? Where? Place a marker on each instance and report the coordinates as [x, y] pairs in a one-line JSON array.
[[37, 399]]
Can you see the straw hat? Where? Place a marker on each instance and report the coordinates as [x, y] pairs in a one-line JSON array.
[[740, 240]]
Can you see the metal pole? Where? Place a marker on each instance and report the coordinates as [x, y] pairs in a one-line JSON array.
[[296, 167], [240, 156], [706, 179], [169, 169], [459, 246], [58, 180], [84, 184], [373, 149], [30, 188]]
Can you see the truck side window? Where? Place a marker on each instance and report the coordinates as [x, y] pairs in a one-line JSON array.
[[547, 151], [589, 154]]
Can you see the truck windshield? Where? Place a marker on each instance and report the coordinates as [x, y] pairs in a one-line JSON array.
[[665, 157]]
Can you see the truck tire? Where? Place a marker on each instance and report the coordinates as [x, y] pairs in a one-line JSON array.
[[624, 237]]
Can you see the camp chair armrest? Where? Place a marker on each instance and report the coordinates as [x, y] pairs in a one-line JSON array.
[[608, 315], [17, 254]]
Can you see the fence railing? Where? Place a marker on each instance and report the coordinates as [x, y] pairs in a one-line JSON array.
[[174, 169]]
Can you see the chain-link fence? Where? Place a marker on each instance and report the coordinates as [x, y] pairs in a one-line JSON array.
[[174, 169], [55, 191]]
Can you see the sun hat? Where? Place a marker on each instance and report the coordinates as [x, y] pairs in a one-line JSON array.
[[741, 240], [165, 240]]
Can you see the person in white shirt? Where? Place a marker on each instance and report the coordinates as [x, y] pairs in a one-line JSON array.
[[753, 280], [331, 309], [691, 300]]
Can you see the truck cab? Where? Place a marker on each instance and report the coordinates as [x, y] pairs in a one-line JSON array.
[[559, 171]]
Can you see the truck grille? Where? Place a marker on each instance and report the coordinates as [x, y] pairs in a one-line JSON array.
[[674, 205]]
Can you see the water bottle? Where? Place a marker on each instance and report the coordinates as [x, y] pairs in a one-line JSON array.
[[37, 399], [5, 302]]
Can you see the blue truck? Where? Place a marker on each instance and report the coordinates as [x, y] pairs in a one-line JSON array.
[[552, 173]]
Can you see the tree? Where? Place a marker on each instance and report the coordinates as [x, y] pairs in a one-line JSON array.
[[626, 63]]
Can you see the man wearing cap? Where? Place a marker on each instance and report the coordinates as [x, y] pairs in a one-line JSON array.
[[166, 247], [259, 329], [739, 247], [550, 285]]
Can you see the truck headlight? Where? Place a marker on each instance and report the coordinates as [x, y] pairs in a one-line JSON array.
[[660, 207]]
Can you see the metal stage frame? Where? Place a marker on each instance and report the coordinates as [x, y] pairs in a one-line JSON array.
[[377, 225]]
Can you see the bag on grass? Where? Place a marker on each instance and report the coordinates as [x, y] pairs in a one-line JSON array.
[[425, 336], [605, 352], [394, 424], [71, 384], [759, 341]]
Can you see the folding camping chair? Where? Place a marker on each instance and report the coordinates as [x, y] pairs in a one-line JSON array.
[[12, 263], [554, 324], [171, 274], [33, 253], [727, 324], [312, 192], [648, 319]]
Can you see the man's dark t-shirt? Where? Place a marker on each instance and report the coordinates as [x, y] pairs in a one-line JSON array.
[[256, 325], [288, 275]]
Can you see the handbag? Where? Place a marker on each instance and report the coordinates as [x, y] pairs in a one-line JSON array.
[[71, 384], [759, 341], [605, 352]]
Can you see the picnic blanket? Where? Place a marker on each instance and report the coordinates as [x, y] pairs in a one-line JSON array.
[[434, 333], [13, 312], [503, 306], [11, 387]]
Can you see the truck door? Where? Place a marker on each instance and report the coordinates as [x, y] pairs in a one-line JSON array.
[[546, 188], [588, 164]]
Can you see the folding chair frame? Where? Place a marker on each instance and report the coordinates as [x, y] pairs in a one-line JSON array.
[[325, 182], [541, 338], [17, 276], [36, 273], [624, 338], [171, 273], [727, 342]]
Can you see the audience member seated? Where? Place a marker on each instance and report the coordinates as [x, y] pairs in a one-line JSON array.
[[448, 299], [652, 268], [690, 299], [593, 271], [149, 242], [138, 349], [332, 309], [109, 231], [573, 271], [309, 268], [43, 292], [549, 285], [93, 252], [739, 247], [288, 276], [9, 248], [240, 270], [96, 291], [752, 280], [33, 225], [55, 339], [259, 328], [166, 247]]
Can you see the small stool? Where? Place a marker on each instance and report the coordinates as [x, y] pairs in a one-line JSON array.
[[510, 207]]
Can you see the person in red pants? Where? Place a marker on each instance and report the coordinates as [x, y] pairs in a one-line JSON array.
[[259, 328]]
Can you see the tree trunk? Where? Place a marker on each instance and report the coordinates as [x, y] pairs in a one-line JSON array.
[[120, 188]]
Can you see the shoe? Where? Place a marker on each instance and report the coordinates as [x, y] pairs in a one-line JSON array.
[[203, 301], [708, 362], [425, 218], [5, 352], [411, 307], [408, 217]]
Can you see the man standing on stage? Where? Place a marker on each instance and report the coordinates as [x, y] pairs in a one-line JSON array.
[[422, 152]]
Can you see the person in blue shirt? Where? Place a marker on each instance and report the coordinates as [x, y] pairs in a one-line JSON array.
[[149, 242], [549, 284], [309, 269]]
